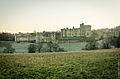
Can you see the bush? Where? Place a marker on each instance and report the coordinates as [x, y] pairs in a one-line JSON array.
[[61, 50], [54, 47], [40, 45], [118, 41], [91, 46], [9, 50], [50, 46], [106, 45], [111, 41], [7, 47], [32, 48]]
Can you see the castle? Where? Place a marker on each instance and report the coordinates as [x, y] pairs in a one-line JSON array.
[[67, 34], [82, 31]]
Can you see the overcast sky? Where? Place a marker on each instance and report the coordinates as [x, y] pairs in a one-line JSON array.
[[53, 15]]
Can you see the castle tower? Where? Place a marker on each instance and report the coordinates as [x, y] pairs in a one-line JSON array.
[[85, 30]]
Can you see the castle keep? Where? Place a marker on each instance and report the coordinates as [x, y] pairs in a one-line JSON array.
[[84, 30]]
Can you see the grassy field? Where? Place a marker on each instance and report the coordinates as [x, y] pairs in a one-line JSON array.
[[95, 64]]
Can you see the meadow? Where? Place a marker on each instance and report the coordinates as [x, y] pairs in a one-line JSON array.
[[94, 64]]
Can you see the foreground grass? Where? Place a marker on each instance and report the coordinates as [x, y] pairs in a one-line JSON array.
[[97, 64]]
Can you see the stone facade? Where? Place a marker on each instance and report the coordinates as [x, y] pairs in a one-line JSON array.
[[72, 34], [47, 36], [84, 30], [105, 33], [37, 37], [116, 31], [102, 33], [25, 37]]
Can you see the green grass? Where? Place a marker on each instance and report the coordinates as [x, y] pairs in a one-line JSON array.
[[96, 64]]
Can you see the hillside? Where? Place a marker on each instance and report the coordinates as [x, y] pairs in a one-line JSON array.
[[95, 64]]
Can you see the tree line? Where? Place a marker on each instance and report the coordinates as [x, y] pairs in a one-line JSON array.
[[107, 43], [50, 47], [7, 47], [32, 48], [7, 37]]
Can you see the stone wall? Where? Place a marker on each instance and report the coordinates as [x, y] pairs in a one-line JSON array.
[[84, 30]]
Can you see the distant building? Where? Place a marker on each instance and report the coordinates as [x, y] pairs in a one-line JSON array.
[[105, 33], [116, 31], [67, 34], [102, 33], [84, 30], [47, 36], [4, 36], [25, 37]]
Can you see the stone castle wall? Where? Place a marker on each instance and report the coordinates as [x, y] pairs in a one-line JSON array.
[[84, 30]]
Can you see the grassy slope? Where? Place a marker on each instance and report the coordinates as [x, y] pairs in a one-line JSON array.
[[98, 64]]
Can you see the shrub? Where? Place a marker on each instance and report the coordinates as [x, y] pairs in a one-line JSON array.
[[32, 48], [7, 47], [118, 41], [61, 50], [50, 46], [40, 45], [106, 45], [91, 46], [9, 50], [54, 47]]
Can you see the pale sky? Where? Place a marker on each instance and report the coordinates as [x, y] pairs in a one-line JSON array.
[[53, 15]]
